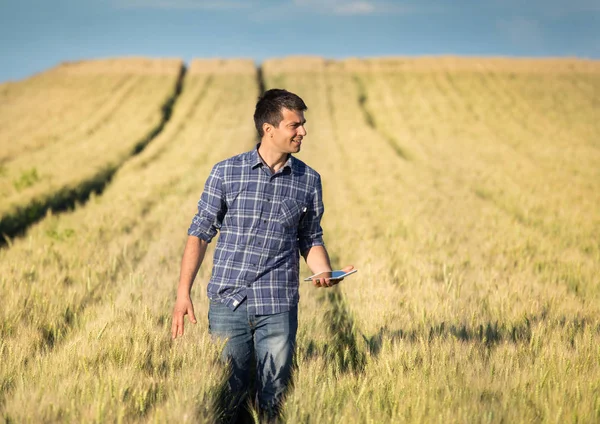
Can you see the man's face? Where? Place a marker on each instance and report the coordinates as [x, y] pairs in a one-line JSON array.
[[287, 137]]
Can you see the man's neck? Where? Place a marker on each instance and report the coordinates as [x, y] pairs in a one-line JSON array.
[[275, 160]]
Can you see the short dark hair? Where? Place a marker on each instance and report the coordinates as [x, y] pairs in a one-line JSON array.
[[269, 106]]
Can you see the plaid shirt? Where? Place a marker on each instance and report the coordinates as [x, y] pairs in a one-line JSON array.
[[265, 220]]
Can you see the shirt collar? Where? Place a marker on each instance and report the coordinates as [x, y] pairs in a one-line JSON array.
[[256, 160]]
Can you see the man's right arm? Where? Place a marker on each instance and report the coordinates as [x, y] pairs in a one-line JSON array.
[[204, 226], [193, 255]]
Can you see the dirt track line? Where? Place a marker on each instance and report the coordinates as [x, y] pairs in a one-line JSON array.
[[261, 80], [370, 121]]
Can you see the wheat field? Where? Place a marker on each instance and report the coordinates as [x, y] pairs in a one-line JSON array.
[[63, 133], [466, 192]]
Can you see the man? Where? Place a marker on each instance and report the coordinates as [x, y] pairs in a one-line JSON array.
[[268, 207]]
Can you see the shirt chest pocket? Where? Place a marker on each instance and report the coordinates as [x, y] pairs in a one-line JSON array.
[[291, 212]]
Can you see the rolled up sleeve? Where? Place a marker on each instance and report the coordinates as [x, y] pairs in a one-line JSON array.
[[310, 232], [211, 208]]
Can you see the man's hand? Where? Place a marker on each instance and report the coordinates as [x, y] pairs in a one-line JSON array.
[[328, 282], [183, 306], [193, 255]]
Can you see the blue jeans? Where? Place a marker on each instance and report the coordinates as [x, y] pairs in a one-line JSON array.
[[269, 340]]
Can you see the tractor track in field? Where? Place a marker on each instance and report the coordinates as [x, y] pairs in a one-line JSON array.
[[261, 80], [17, 223], [199, 97], [400, 151], [346, 348]]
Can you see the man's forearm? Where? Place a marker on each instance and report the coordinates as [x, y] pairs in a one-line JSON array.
[[317, 259], [193, 255]]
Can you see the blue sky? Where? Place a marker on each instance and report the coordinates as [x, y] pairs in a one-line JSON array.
[[38, 34]]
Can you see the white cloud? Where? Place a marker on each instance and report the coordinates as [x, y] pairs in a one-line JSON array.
[[353, 7], [262, 7], [184, 4]]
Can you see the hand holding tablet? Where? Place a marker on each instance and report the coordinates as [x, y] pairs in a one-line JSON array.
[[330, 278]]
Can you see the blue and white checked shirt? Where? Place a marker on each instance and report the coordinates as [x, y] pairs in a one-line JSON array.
[[265, 220]]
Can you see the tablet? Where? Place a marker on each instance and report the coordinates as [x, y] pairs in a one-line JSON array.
[[332, 275]]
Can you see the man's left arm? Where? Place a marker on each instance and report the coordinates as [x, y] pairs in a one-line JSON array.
[[310, 236], [317, 260]]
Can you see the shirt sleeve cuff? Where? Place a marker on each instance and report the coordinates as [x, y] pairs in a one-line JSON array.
[[196, 232]]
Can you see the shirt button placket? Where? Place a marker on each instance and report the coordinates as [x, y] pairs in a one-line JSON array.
[[268, 207]]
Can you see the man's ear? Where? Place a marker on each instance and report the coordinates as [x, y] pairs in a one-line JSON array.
[[268, 129]]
